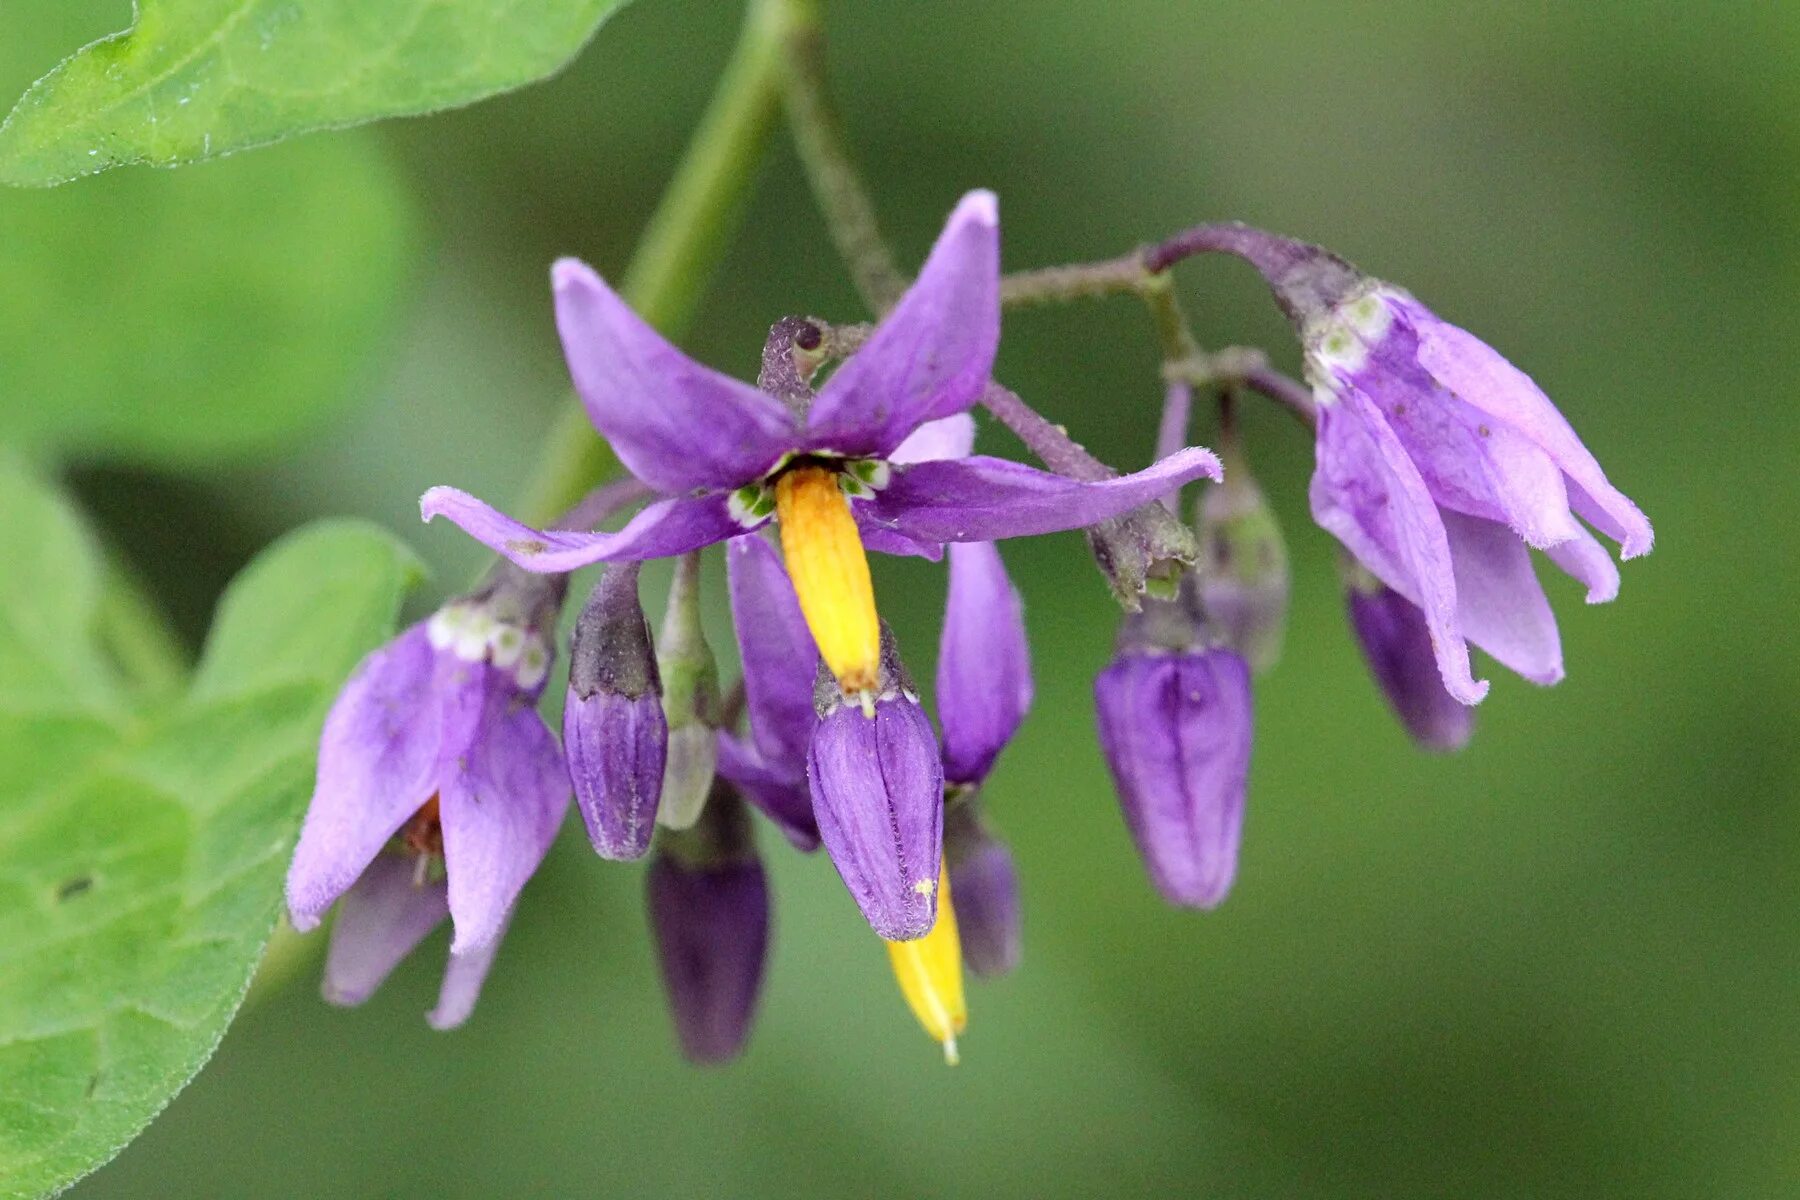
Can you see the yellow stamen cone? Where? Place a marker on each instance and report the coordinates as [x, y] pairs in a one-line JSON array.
[[825, 559], [931, 975]]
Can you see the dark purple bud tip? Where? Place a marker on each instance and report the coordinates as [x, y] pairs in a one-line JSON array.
[[1397, 645], [878, 795], [711, 925], [1175, 729], [617, 747], [986, 888]]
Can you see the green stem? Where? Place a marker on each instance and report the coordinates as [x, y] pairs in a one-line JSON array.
[[138, 635], [687, 234]]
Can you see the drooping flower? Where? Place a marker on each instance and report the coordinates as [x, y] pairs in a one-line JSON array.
[[439, 791], [614, 731], [1440, 465], [729, 458], [1174, 712], [1397, 646]]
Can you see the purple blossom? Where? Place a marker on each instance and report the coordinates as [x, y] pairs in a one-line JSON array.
[[717, 449], [1394, 639], [984, 663], [437, 773], [711, 926]]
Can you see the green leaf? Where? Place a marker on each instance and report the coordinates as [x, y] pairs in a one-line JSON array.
[[176, 316], [142, 849], [198, 78]]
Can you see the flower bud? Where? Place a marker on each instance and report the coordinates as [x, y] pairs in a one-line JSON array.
[[709, 915], [984, 663], [878, 795], [986, 886], [690, 700], [1397, 646], [1243, 575], [614, 733], [1175, 728]]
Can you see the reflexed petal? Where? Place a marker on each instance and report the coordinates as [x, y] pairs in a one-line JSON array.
[[931, 356], [1587, 561], [1176, 732], [880, 540], [502, 798], [878, 795], [617, 747], [666, 528], [981, 499], [1478, 374], [463, 976], [1367, 493], [376, 762], [711, 926], [1499, 602], [984, 663], [383, 916], [778, 653], [676, 424], [1397, 646], [949, 437], [779, 794]]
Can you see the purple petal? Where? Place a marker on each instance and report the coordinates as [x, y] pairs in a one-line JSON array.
[[949, 437], [666, 528], [674, 423], [1586, 560], [617, 748], [1397, 646], [779, 656], [376, 762], [779, 793], [382, 917], [1367, 493], [984, 663], [878, 794], [931, 356], [984, 887], [711, 926], [463, 976], [1500, 604], [1478, 374], [880, 540], [981, 499], [1176, 733], [502, 799]]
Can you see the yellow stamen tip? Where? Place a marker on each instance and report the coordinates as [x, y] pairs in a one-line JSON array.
[[825, 559], [929, 970]]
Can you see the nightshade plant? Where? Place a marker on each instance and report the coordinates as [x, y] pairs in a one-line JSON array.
[[439, 786]]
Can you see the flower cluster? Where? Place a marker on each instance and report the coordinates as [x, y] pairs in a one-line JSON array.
[[1439, 467]]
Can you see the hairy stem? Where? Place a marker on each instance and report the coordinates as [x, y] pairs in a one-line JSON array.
[[686, 235], [1051, 443]]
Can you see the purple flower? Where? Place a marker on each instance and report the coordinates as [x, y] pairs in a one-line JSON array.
[[711, 925], [614, 731], [878, 795], [1394, 639], [439, 791], [1440, 466], [1175, 728], [984, 663], [986, 888], [729, 458]]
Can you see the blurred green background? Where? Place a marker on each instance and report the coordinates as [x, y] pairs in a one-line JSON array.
[[1563, 963]]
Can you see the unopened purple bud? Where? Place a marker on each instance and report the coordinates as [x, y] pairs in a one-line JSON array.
[[1175, 727], [986, 888], [1397, 646], [878, 795], [711, 925], [1243, 576], [614, 733]]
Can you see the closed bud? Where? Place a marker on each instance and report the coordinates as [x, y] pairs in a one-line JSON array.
[[986, 886], [1243, 572], [614, 734], [1396, 643], [708, 900], [690, 700], [878, 795], [1175, 727]]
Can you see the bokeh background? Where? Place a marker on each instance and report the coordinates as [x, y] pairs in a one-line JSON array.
[[1565, 962]]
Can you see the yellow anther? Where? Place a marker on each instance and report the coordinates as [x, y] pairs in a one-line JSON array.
[[825, 559], [931, 976]]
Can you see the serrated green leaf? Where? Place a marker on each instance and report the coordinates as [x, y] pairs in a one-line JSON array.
[[175, 316], [141, 851], [198, 78]]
